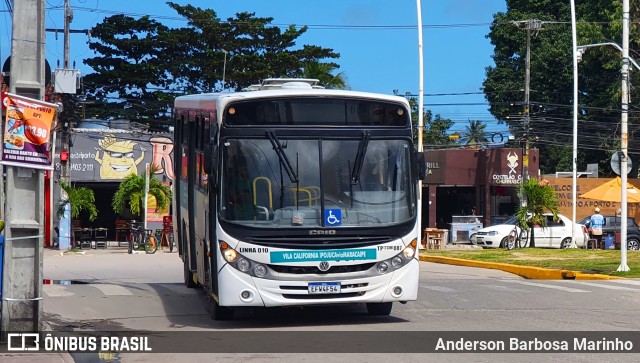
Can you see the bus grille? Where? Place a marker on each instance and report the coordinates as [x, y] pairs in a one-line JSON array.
[[302, 270]]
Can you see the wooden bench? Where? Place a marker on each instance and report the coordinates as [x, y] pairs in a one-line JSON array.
[[433, 239]]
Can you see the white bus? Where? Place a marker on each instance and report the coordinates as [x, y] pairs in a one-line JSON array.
[[289, 195]]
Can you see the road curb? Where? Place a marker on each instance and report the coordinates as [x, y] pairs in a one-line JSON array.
[[528, 272]]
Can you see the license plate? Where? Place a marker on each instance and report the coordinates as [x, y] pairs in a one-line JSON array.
[[324, 288]]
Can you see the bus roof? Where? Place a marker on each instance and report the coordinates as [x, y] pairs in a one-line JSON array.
[[209, 101]]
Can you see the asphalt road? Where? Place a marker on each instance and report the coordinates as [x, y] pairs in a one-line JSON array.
[[145, 292]]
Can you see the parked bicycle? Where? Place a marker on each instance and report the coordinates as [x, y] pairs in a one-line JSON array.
[[167, 237], [517, 238], [141, 238]]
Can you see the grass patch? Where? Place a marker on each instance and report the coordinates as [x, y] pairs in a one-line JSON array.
[[73, 251], [588, 261]]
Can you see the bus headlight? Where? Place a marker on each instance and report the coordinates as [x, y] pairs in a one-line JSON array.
[[382, 267], [230, 254], [243, 264], [410, 250], [398, 261], [260, 270]]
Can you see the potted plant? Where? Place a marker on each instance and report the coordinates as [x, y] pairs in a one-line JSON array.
[[81, 199], [130, 194]]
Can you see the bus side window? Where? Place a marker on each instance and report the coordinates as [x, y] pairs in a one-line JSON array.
[[185, 130], [201, 133]]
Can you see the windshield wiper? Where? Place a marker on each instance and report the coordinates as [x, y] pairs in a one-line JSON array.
[[282, 156], [359, 161]]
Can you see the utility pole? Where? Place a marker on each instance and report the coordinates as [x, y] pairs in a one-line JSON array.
[[64, 139], [24, 205], [624, 135], [66, 81], [529, 25], [66, 76]]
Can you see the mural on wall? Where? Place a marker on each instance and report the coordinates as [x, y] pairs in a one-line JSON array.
[[117, 158], [110, 157]]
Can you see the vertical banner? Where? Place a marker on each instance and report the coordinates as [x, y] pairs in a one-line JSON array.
[[27, 132]]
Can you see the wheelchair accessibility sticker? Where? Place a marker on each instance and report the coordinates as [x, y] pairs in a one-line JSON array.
[[333, 217]]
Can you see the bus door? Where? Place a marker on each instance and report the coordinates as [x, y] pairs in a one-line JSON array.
[[177, 183], [191, 185]]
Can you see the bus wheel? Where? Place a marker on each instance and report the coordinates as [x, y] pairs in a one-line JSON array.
[[218, 312], [379, 308], [188, 276]]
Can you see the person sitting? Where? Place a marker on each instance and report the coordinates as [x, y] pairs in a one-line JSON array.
[[596, 222]]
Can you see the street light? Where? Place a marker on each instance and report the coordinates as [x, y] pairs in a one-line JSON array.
[[624, 126], [576, 58], [583, 48], [420, 81]]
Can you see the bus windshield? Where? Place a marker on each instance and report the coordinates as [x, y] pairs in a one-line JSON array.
[[278, 182]]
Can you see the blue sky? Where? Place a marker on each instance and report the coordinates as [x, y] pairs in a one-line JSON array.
[[377, 41]]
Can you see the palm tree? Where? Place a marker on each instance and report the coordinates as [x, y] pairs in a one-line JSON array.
[[539, 198], [475, 133], [130, 194], [81, 199], [323, 73]]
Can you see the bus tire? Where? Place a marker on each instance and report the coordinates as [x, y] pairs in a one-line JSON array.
[[379, 308], [218, 312], [188, 276]]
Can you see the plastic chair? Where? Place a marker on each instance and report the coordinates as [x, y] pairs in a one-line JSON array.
[[100, 236], [85, 237]]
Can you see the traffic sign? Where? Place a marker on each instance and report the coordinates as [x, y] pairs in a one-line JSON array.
[[616, 160]]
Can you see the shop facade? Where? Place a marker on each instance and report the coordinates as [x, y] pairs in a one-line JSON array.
[[100, 160], [479, 186]]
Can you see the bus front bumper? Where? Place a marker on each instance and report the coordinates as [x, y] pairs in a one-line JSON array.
[[238, 289]]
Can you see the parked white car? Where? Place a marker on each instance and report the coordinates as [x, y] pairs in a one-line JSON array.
[[557, 234]]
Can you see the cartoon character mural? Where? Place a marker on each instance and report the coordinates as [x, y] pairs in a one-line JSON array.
[[117, 161]]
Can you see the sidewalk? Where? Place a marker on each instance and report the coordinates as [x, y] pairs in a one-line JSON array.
[[112, 247], [36, 357]]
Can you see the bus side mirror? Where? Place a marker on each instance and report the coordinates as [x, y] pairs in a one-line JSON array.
[[422, 165]]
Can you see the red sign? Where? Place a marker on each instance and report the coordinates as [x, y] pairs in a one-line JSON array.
[[27, 132]]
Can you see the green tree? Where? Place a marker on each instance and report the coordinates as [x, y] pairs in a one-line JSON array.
[[130, 194], [551, 81], [141, 64], [324, 72], [129, 69], [538, 198], [475, 133], [435, 133], [81, 199]]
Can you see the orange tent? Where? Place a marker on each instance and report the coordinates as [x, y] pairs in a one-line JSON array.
[[611, 190]]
